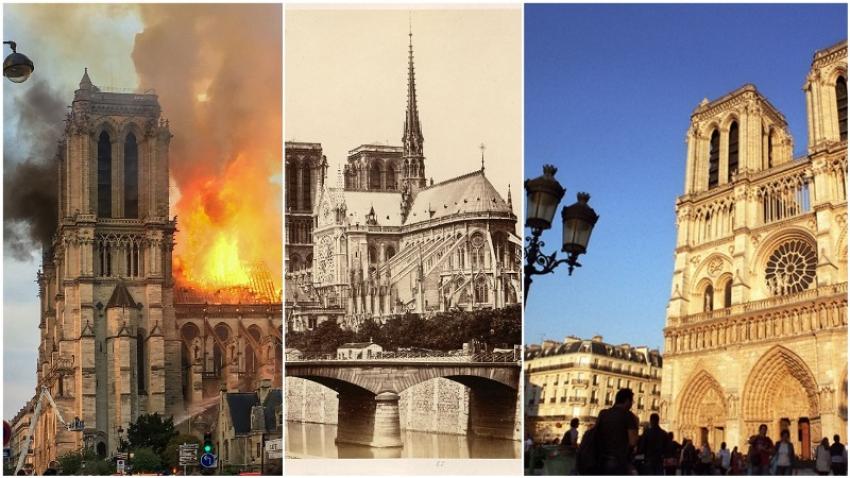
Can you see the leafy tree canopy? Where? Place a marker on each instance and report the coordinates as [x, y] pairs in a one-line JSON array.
[[151, 431]]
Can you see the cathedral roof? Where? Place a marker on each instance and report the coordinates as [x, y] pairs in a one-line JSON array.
[[387, 207], [121, 297], [468, 193]]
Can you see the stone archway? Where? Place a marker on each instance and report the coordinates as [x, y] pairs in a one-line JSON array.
[[781, 392], [703, 410]]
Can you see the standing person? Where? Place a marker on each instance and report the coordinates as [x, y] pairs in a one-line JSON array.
[[617, 435], [725, 459], [705, 459], [784, 454], [653, 446], [761, 447], [569, 447], [823, 458], [671, 455], [689, 457], [839, 457], [737, 462]]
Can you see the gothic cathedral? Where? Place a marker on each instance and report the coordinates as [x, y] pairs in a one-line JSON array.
[[109, 346], [756, 328]]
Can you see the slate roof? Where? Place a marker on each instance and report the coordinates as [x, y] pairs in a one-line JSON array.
[[468, 193], [121, 297], [356, 345], [274, 400], [597, 348], [387, 206]]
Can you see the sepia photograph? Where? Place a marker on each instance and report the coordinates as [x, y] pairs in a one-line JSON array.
[[142, 313], [706, 329], [402, 304]]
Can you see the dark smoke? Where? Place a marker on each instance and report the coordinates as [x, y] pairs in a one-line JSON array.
[[30, 177]]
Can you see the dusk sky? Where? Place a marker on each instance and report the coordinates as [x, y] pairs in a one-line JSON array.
[[609, 90]]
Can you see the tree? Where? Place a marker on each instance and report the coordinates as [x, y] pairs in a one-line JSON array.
[[70, 462], [151, 431], [171, 455], [146, 459]]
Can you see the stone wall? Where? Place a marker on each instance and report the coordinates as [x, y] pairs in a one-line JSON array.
[[438, 405]]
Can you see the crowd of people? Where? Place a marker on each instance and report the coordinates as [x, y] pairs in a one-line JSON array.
[[614, 446]]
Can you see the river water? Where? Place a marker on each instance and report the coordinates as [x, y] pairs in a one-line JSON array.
[[315, 440]]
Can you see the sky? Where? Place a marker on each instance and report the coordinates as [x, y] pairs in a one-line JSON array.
[[609, 90], [224, 157], [346, 85]]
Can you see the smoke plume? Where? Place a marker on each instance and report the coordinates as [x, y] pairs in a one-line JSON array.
[[29, 182]]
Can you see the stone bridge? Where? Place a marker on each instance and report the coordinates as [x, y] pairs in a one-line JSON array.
[[368, 392]]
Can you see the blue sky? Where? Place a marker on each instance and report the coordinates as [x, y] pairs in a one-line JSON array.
[[608, 94]]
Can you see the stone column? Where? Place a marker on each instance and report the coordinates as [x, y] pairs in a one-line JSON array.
[[387, 425]]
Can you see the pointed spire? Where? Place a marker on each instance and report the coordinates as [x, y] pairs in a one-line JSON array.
[[412, 139], [85, 82], [510, 203], [482, 155]]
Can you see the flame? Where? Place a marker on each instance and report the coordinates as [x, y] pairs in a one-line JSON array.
[[225, 156]]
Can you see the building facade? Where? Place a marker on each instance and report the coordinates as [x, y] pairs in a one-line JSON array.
[[579, 378], [246, 421], [118, 337], [385, 241], [756, 327]]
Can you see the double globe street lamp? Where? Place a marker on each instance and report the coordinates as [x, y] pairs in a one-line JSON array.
[[17, 67], [543, 194]]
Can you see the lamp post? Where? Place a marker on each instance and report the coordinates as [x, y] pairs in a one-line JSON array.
[[17, 67], [543, 194]]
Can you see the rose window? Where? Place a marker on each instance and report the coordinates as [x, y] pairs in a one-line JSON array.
[[791, 268]]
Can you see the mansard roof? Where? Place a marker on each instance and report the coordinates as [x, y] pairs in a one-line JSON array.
[[468, 193], [622, 352], [121, 297], [239, 406]]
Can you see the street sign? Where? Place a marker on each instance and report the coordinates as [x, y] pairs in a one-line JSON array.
[[119, 467], [274, 448], [208, 460], [188, 454], [121, 455]]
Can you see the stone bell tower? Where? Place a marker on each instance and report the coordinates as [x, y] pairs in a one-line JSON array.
[[109, 350]]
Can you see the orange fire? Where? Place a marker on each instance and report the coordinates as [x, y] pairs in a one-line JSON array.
[[220, 87]]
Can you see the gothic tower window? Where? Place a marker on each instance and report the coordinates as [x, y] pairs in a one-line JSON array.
[[131, 177], [140, 360], [104, 176], [306, 186], [733, 150], [727, 294], [375, 176], [291, 187], [841, 104], [389, 253], [481, 292], [392, 177], [708, 299], [770, 148], [713, 159]]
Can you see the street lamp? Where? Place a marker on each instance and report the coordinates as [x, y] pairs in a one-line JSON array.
[[17, 67], [543, 194]]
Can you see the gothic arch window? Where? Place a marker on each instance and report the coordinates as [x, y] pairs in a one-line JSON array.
[[294, 263], [733, 150], [841, 104], [306, 186], [131, 177], [478, 251], [770, 148], [389, 252], [373, 255], [140, 361], [708, 299], [291, 186], [791, 267], [375, 176], [727, 294], [392, 177], [104, 175], [713, 159], [481, 291]]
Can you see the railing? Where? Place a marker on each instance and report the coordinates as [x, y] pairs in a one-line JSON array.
[[764, 304], [434, 356], [580, 381], [577, 400]]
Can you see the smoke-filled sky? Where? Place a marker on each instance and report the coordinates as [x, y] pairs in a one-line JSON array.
[[346, 85], [217, 71]]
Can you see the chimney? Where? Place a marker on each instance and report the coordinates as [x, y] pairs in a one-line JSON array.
[[570, 339], [548, 343], [597, 339]]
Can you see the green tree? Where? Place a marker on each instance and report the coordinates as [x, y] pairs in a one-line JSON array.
[[146, 460], [151, 431], [171, 455], [70, 463]]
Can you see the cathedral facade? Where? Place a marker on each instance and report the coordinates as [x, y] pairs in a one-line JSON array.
[[118, 337], [385, 241], [756, 329]]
